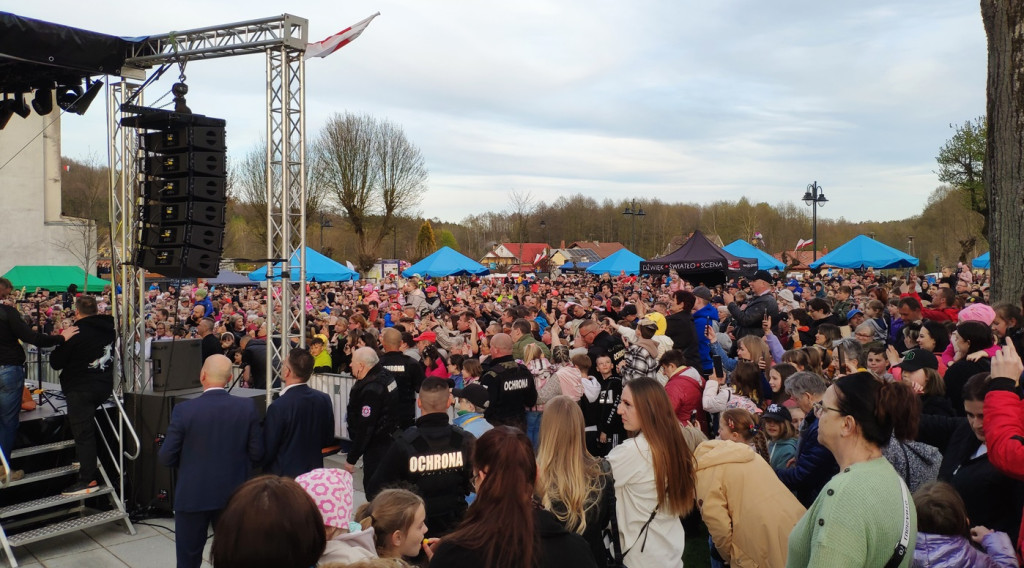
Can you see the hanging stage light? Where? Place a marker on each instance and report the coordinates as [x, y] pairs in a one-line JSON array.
[[71, 99], [43, 101], [18, 105]]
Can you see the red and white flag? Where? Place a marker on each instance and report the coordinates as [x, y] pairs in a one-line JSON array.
[[802, 243], [338, 40]]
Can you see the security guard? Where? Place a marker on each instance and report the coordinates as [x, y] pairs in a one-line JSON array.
[[509, 384], [434, 457], [372, 412], [408, 373]]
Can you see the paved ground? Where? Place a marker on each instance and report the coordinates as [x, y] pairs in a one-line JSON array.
[[110, 546]]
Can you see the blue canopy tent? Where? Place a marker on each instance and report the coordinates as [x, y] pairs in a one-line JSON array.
[[446, 262], [622, 260], [765, 261], [319, 268], [864, 252], [982, 261]]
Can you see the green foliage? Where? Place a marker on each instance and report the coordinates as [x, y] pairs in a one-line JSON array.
[[445, 238], [962, 162], [425, 243]]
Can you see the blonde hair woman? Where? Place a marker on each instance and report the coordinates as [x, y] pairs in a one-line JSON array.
[[573, 485]]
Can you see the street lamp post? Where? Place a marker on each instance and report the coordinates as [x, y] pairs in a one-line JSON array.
[[814, 197], [634, 212], [910, 245], [325, 223]]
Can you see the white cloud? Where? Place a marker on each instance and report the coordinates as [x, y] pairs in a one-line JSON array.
[[653, 98]]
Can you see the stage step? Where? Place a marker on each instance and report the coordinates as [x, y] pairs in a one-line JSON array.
[[34, 450], [47, 502], [65, 527], [46, 474]]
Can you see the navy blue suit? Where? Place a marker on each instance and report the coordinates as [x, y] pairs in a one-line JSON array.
[[298, 426], [213, 440]]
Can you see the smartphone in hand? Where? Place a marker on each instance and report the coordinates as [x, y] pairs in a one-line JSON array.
[[716, 360]]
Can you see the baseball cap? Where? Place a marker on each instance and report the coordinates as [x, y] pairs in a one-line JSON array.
[[764, 275], [853, 312], [777, 412], [917, 359], [426, 336], [431, 289], [475, 393], [793, 282], [628, 310]]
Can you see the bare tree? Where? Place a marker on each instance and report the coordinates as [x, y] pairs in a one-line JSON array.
[[248, 184], [522, 206], [81, 242], [373, 172]]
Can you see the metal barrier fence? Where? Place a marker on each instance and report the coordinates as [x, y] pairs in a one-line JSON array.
[[37, 362], [338, 388]]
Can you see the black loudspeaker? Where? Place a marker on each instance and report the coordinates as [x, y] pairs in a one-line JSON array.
[[176, 364], [180, 262], [152, 485], [185, 191]]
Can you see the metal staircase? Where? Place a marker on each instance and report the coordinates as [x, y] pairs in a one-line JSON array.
[[55, 515]]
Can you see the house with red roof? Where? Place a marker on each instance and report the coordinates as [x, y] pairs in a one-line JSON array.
[[505, 255]]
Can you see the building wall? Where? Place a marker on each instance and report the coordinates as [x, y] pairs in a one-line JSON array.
[[31, 226]]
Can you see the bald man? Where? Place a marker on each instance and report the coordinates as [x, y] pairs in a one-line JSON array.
[[509, 386], [374, 408], [213, 440]]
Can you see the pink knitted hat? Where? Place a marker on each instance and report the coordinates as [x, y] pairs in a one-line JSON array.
[[978, 312], [331, 489]]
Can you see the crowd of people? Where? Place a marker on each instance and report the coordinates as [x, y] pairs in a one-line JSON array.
[[846, 419]]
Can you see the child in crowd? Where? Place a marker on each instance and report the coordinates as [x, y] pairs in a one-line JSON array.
[[874, 312], [777, 423], [455, 370], [742, 393], [331, 490], [878, 365], [740, 426], [398, 518], [471, 371], [944, 537], [777, 381]]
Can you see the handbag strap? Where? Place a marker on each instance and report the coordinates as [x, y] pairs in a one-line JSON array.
[[901, 548], [643, 533]]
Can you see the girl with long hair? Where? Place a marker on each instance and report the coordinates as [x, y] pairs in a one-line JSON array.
[[505, 527], [654, 478], [777, 382], [398, 518], [738, 425], [576, 487], [743, 390]]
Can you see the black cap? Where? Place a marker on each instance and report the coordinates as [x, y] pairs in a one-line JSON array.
[[777, 412], [627, 310], [475, 393], [918, 358], [764, 275]]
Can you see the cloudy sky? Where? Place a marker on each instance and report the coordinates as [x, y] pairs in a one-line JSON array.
[[676, 99]]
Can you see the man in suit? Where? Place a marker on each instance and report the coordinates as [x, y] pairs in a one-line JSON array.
[[300, 423], [212, 440]]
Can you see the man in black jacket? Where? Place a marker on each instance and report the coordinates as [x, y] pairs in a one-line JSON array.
[[408, 373], [509, 385], [435, 457], [86, 365], [12, 368], [373, 405], [750, 318]]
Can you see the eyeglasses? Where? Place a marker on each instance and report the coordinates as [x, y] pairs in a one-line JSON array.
[[819, 408]]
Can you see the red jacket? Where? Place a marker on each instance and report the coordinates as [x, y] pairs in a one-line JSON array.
[[1004, 433], [686, 394], [945, 314]]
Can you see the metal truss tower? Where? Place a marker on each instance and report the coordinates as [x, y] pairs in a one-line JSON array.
[[283, 39]]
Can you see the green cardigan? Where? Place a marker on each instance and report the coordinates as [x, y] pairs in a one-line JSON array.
[[856, 521]]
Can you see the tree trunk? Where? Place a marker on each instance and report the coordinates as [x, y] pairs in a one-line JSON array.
[[1004, 159]]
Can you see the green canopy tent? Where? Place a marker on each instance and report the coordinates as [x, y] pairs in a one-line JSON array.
[[53, 278]]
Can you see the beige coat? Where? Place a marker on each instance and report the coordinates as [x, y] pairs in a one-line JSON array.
[[748, 511]]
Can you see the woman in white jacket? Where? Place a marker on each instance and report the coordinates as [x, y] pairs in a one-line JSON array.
[[654, 478]]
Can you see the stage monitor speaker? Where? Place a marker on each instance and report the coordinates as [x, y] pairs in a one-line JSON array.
[[152, 485], [176, 364]]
